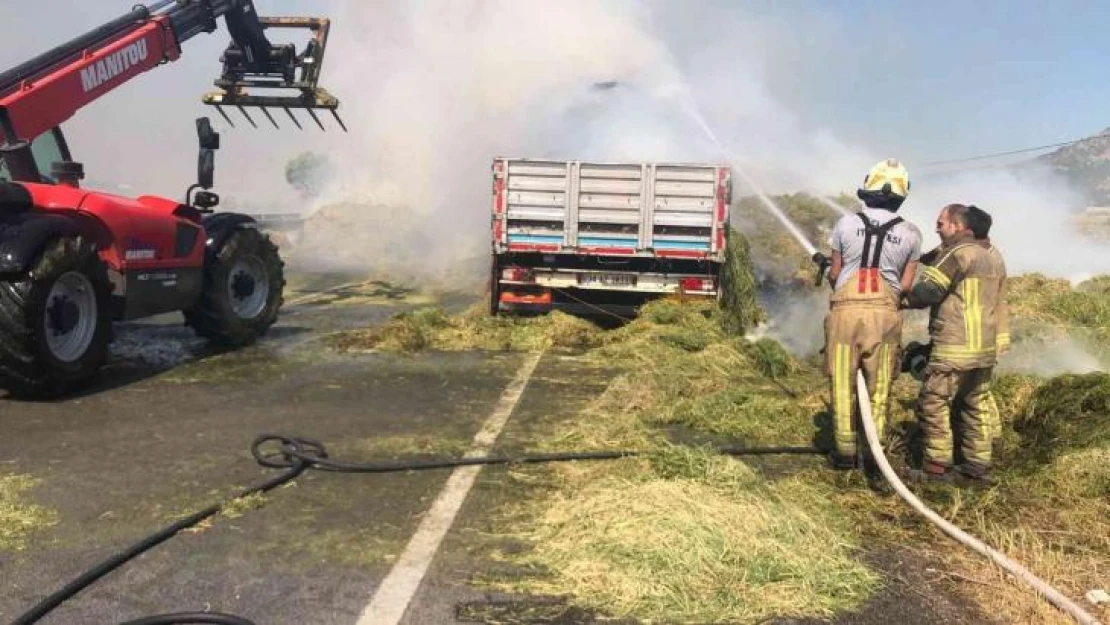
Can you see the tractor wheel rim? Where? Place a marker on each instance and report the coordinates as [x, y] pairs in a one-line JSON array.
[[248, 287], [70, 317]]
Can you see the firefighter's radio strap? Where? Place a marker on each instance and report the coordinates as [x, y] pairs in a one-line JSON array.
[[869, 277]]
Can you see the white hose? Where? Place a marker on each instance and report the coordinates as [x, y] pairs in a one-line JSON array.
[[1054, 596]]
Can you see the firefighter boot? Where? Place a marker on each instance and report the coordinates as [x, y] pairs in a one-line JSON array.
[[930, 472]]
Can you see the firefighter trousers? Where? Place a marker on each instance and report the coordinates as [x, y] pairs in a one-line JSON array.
[[976, 423], [867, 337]]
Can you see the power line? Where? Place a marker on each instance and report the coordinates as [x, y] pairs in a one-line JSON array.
[[1011, 152]]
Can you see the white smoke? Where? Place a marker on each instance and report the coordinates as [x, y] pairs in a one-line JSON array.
[[433, 91], [1048, 358], [447, 87], [1033, 214]]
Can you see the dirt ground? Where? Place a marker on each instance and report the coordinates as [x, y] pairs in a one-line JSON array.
[[167, 431]]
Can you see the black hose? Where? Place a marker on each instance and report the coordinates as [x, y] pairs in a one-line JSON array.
[[183, 618], [292, 452], [107, 566], [297, 455]]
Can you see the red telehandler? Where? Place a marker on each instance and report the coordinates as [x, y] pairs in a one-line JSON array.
[[72, 260]]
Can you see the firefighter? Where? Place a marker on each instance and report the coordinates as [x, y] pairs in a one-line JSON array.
[[964, 290], [979, 221], [874, 257]]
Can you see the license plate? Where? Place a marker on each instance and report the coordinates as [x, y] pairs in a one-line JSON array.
[[606, 279]]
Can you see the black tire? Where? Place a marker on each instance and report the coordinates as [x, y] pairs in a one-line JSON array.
[[234, 309], [40, 308], [494, 286]]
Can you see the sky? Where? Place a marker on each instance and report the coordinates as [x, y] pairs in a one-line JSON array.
[[945, 79], [799, 95]]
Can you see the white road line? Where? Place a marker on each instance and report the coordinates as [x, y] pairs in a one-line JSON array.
[[392, 598]]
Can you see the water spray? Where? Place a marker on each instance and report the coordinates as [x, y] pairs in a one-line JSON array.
[[833, 205], [689, 107], [687, 104]]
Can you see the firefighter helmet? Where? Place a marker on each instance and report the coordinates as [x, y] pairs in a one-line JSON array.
[[886, 185]]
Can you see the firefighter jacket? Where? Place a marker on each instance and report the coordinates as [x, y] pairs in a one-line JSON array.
[[964, 289]]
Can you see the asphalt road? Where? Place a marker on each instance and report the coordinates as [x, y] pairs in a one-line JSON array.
[[167, 431]]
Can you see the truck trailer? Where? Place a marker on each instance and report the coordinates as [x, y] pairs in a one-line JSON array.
[[590, 237]]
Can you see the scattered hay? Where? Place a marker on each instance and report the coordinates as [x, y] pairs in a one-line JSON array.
[[700, 538], [746, 415], [1066, 412], [19, 519], [664, 311], [431, 328], [238, 507], [1035, 298], [1051, 505], [612, 421], [1099, 285], [1009, 600], [771, 359], [1081, 474]]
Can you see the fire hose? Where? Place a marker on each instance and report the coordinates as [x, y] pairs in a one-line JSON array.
[[1054, 596], [916, 358], [296, 455]]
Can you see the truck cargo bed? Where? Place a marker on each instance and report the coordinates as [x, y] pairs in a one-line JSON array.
[[576, 230]]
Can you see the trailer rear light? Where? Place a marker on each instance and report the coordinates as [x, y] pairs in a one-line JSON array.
[[696, 284], [518, 274], [543, 298]]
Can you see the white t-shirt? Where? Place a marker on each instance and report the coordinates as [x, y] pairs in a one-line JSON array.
[[902, 246]]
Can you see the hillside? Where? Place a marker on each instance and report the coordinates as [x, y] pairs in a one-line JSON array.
[[1086, 165]]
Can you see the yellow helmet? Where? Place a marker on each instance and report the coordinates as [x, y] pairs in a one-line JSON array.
[[886, 185]]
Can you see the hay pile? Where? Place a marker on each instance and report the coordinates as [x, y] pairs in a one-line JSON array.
[[696, 537], [1036, 299], [778, 259], [738, 287]]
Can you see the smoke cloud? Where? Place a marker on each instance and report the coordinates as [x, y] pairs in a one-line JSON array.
[[433, 91]]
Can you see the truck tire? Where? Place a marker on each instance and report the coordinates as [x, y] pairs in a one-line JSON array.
[[54, 320], [242, 292]]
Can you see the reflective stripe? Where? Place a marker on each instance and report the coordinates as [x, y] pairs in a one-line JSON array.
[[843, 386], [973, 315], [936, 275], [994, 414], [961, 352], [882, 388], [1003, 339]]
